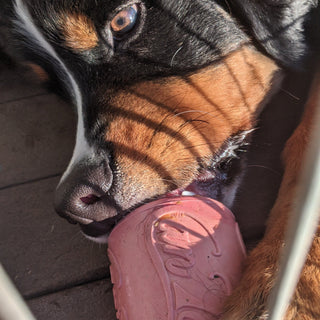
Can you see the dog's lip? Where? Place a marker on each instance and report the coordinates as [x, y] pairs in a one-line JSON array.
[[209, 182], [77, 219], [199, 186], [97, 229]]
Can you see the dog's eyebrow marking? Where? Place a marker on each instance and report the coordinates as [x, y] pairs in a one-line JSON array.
[[79, 32], [38, 71], [26, 26]]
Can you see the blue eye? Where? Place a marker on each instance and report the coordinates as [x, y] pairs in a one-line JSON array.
[[124, 21]]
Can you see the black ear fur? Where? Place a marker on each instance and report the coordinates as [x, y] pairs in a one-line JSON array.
[[277, 26], [313, 31]]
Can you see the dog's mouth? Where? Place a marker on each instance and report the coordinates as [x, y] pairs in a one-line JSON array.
[[211, 183], [219, 182]]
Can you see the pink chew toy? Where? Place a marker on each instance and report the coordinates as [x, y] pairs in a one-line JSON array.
[[175, 259]]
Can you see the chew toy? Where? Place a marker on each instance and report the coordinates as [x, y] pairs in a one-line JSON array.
[[175, 259]]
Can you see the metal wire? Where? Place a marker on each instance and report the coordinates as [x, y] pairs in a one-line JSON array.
[[12, 306], [302, 227]]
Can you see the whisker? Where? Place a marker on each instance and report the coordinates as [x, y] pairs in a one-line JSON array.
[[200, 145], [158, 129], [190, 130], [170, 181], [76, 235], [264, 167], [191, 111], [171, 63], [185, 159], [290, 94]]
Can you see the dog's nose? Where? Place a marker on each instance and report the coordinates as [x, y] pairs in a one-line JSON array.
[[82, 195]]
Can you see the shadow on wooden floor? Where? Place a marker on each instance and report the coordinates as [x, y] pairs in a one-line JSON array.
[[60, 273]]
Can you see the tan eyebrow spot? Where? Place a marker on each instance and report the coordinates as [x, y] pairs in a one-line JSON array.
[[38, 71], [79, 32]]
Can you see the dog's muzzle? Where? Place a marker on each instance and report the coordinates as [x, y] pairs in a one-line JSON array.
[[83, 196]]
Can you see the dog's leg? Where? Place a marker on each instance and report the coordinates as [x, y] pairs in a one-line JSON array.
[[250, 298]]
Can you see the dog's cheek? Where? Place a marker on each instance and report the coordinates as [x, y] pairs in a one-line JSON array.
[[154, 150], [164, 131]]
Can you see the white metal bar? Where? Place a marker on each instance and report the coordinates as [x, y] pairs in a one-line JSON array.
[[302, 227], [12, 306]]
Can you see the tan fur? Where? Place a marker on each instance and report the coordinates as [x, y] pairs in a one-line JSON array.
[[249, 300], [79, 32], [38, 71], [162, 129]]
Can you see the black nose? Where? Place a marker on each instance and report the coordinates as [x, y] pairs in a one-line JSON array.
[[83, 193]]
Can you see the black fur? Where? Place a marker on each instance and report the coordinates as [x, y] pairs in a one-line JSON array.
[[202, 31], [175, 38], [278, 26]]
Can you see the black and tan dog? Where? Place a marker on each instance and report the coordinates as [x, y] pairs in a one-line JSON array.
[[167, 93]]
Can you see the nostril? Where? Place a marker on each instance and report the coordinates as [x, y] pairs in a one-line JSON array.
[[90, 199]]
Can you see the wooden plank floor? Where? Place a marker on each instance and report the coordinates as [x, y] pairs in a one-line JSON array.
[[60, 273]]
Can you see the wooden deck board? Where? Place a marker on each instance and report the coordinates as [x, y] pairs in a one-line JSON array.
[[41, 251], [36, 140], [93, 301], [17, 84]]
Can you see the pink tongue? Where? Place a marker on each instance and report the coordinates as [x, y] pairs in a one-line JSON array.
[[175, 258]]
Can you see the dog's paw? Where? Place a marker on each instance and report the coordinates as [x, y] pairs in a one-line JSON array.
[[249, 299]]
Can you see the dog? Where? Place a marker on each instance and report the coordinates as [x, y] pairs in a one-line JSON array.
[[167, 94]]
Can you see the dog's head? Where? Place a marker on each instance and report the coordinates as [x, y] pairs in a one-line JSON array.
[[165, 92]]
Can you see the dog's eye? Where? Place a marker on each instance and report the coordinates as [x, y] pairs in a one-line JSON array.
[[124, 21]]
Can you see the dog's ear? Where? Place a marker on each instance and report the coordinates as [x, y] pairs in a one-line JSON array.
[[277, 26], [313, 30]]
